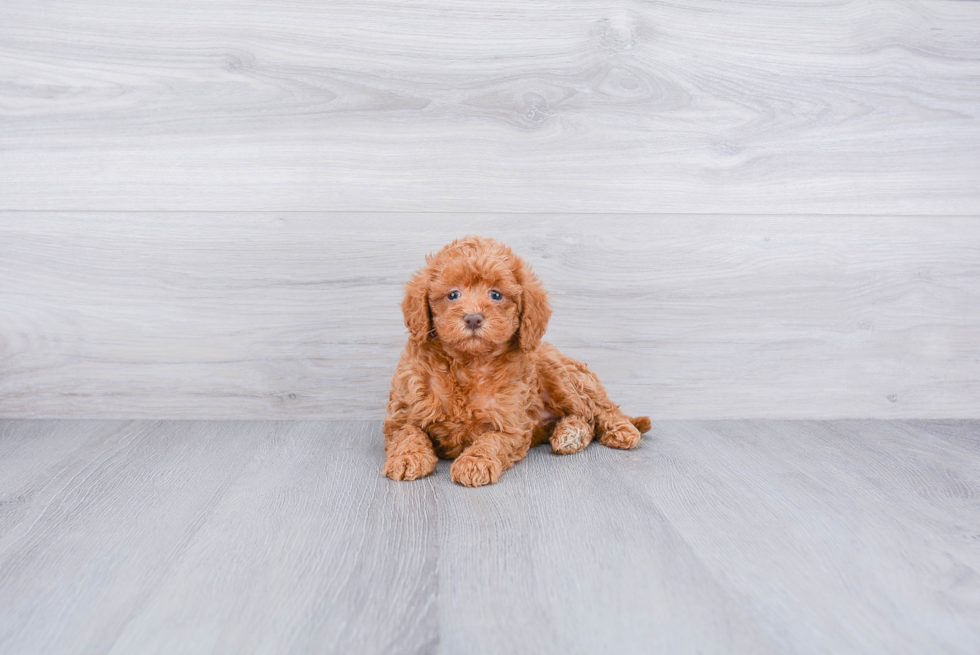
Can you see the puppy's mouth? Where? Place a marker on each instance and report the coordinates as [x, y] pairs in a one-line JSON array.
[[474, 338]]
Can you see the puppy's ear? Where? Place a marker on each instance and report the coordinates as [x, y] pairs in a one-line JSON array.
[[415, 307], [535, 310]]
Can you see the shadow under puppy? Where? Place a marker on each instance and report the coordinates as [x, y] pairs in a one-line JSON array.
[[475, 381]]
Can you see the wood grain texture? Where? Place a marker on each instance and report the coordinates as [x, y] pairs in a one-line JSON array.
[[510, 105], [212, 537], [712, 537], [297, 315], [831, 520]]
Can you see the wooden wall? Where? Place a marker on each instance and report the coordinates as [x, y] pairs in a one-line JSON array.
[[742, 209]]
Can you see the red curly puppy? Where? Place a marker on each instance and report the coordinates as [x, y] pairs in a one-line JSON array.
[[475, 381]]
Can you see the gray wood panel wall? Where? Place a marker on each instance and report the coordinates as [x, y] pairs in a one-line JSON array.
[[297, 315], [207, 209], [504, 105]]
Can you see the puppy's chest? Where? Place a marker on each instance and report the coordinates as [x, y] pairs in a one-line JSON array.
[[473, 395]]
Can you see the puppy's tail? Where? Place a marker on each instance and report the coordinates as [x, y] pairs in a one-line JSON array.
[[642, 423]]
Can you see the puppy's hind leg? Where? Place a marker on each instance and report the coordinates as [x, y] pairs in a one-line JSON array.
[[571, 434], [617, 430]]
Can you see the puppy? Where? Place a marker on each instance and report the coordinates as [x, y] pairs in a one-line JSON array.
[[476, 383]]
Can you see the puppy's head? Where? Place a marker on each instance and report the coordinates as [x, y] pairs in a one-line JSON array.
[[475, 296]]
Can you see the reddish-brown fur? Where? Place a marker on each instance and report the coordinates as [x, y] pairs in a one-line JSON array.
[[484, 397]]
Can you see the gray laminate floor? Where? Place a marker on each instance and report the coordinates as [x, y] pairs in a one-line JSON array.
[[282, 537]]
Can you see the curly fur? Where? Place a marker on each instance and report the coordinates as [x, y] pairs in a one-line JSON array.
[[484, 396]]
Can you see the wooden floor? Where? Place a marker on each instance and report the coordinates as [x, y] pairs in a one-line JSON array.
[[282, 537]]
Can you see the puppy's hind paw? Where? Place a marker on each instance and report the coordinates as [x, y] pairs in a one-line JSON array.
[[409, 466], [571, 435], [624, 435]]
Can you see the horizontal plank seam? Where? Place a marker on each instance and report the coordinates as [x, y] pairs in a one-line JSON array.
[[472, 213]]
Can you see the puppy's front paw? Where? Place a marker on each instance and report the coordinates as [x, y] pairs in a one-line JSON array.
[[475, 470], [409, 466], [624, 435]]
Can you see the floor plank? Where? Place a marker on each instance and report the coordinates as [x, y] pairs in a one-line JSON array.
[[846, 536], [713, 536], [310, 550], [509, 105], [568, 558]]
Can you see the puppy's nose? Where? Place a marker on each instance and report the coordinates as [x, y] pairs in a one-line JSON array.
[[473, 321]]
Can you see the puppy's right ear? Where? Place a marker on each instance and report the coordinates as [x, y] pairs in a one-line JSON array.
[[415, 307]]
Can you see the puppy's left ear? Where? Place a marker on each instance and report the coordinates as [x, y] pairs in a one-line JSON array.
[[535, 310]]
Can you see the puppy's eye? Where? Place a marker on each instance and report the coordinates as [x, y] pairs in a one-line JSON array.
[[454, 295], [496, 295]]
